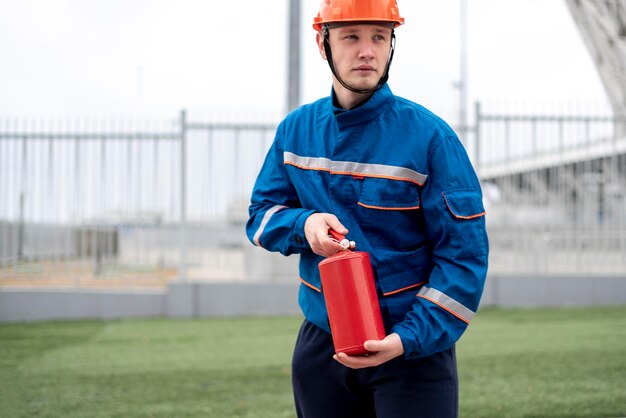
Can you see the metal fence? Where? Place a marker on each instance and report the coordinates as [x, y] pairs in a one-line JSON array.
[[555, 187], [128, 203], [125, 202]]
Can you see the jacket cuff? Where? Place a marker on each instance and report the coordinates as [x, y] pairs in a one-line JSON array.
[[409, 341], [298, 239]]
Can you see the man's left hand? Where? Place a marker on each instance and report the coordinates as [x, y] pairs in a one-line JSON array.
[[381, 352]]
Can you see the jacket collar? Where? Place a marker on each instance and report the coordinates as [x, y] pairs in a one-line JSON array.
[[372, 108]]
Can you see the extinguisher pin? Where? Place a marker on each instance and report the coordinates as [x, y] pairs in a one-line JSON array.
[[341, 240], [346, 245]]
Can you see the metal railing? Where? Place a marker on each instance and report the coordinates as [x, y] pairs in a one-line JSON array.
[[556, 191], [506, 143], [85, 202]]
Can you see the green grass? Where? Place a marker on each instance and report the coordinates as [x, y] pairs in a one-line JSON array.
[[512, 363], [544, 363]]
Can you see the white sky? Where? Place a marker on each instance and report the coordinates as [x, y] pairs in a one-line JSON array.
[[74, 58]]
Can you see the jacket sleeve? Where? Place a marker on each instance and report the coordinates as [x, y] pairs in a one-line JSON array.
[[277, 219], [455, 223]]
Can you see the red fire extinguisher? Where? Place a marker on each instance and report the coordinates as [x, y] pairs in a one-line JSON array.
[[351, 300]]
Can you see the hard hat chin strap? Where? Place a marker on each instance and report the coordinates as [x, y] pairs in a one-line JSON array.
[[331, 64]]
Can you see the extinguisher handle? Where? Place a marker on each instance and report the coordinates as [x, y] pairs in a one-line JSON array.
[[341, 239], [336, 235]]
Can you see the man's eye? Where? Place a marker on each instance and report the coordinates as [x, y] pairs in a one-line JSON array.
[[351, 37], [379, 38]]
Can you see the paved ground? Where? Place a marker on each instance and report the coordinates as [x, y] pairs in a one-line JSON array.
[[231, 266]]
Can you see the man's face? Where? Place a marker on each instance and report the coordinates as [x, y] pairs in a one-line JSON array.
[[360, 53]]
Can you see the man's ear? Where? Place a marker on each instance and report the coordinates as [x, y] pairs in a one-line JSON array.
[[320, 44]]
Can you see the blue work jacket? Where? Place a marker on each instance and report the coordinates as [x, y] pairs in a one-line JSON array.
[[400, 180]]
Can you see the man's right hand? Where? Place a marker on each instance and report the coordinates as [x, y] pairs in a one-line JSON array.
[[316, 230]]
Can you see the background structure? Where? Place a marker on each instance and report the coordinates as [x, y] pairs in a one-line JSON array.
[[132, 216]]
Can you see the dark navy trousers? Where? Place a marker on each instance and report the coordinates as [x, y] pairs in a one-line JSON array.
[[323, 388]]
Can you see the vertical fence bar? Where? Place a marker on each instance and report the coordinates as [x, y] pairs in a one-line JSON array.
[[561, 139], [76, 205], [533, 151], [237, 151], [507, 140], [211, 204], [22, 202], [158, 232], [182, 273], [50, 186], [103, 206], [477, 122]]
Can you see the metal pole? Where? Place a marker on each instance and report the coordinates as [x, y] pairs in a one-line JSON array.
[[477, 161], [293, 61], [533, 124], [22, 203], [182, 273], [463, 76]]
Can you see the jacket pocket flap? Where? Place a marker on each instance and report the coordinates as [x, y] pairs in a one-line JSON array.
[[408, 272], [464, 204], [389, 194]]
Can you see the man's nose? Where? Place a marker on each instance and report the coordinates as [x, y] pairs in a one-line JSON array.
[[366, 50]]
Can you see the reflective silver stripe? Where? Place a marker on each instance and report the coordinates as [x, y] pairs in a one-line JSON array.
[[455, 308], [264, 222], [349, 167], [311, 163]]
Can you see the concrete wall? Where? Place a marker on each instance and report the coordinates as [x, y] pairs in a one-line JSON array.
[[200, 299], [554, 290], [39, 305], [179, 300], [229, 299]]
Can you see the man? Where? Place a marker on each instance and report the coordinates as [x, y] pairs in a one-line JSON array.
[[396, 179]]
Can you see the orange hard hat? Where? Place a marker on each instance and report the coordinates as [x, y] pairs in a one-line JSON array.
[[338, 11]]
